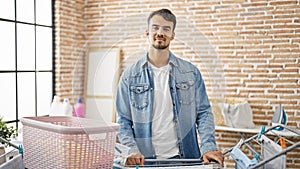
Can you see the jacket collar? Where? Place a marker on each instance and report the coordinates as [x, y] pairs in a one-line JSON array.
[[172, 60]]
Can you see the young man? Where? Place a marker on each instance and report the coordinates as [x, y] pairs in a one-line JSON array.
[[162, 102]]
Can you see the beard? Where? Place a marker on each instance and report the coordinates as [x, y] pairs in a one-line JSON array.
[[160, 47]]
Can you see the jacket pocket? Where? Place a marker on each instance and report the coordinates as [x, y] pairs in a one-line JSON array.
[[186, 91], [139, 95]]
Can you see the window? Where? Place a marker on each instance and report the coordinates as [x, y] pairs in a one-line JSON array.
[[26, 58]]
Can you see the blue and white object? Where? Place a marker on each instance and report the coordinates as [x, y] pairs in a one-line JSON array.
[[120, 155], [241, 160], [279, 117]]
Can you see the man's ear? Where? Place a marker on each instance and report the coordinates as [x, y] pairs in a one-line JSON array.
[[173, 35]]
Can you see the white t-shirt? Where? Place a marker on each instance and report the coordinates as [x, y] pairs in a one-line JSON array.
[[164, 136]]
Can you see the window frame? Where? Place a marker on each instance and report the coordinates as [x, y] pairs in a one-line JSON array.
[[35, 71]]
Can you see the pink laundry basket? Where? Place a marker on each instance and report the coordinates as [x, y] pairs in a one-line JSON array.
[[68, 143]]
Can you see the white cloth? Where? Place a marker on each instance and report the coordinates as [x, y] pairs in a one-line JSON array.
[[237, 115], [268, 149], [164, 136]]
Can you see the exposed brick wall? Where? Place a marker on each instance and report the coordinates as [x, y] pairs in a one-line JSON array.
[[245, 49], [69, 39]]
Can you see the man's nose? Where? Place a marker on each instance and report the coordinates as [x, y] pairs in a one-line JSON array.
[[160, 32]]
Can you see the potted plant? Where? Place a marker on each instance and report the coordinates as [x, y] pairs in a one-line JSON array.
[[7, 132]]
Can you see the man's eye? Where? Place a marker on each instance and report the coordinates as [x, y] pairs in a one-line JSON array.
[[167, 29], [155, 28]]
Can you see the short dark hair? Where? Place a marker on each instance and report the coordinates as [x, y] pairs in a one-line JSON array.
[[166, 14]]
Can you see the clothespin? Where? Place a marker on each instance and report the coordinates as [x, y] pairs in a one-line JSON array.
[[117, 148], [256, 156], [20, 148], [282, 143], [262, 131]]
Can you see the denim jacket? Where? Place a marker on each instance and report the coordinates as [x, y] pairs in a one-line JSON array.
[[191, 108]]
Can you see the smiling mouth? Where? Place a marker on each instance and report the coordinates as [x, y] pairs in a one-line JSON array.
[[160, 39]]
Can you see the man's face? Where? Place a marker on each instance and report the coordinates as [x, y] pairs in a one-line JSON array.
[[160, 32]]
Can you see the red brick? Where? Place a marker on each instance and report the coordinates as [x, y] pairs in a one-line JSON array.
[[278, 91], [286, 71], [277, 3], [258, 3]]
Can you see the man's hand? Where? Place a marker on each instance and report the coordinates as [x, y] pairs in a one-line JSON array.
[[213, 155], [135, 159]]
